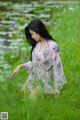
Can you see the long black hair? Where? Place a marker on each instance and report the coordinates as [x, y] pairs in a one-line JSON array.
[[38, 27]]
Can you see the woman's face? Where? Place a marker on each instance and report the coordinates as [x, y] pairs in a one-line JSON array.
[[34, 35]]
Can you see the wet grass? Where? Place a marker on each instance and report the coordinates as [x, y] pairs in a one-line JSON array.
[[49, 107]]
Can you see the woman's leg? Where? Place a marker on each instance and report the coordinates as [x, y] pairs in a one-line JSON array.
[[35, 92], [24, 88], [28, 85]]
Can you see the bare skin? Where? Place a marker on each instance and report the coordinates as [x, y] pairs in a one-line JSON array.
[[16, 71]]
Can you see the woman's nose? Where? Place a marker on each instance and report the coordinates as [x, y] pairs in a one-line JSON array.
[[32, 36]]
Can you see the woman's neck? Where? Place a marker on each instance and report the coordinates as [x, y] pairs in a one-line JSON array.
[[42, 43]]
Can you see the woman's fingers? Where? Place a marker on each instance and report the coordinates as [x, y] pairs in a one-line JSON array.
[[16, 71], [57, 92], [14, 74]]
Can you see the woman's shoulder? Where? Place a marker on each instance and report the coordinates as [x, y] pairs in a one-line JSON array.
[[53, 46], [52, 43]]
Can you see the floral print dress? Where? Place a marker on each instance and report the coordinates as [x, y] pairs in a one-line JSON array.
[[46, 69]]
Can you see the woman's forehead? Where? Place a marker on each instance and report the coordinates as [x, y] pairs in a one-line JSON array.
[[31, 31]]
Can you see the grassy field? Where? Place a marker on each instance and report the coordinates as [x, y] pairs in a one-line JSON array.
[[49, 107]]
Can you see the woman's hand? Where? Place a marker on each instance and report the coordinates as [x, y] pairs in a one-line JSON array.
[[16, 71], [57, 92]]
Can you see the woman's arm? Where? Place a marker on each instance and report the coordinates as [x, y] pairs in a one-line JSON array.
[[16, 71], [28, 65]]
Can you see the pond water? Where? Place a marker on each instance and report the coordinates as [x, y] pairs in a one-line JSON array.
[[14, 16]]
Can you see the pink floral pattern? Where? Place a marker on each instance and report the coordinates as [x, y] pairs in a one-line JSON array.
[[45, 68]]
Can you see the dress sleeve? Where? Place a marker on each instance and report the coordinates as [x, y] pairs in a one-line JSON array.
[[29, 65], [58, 74]]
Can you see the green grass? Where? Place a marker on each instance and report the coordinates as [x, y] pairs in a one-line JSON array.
[[49, 107]]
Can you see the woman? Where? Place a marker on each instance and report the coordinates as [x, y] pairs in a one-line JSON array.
[[46, 71]]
